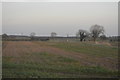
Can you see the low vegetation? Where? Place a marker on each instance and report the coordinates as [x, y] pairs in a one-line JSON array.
[[58, 60]]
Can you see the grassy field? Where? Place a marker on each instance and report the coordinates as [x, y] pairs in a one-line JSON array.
[[37, 59]]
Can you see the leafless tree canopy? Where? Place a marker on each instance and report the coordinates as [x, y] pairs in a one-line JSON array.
[[82, 34], [32, 34], [96, 30], [103, 37], [4, 35], [53, 34]]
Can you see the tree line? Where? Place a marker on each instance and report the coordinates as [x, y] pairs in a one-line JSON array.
[[95, 31]]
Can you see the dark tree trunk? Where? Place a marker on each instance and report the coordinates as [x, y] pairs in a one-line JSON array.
[[94, 39], [81, 39]]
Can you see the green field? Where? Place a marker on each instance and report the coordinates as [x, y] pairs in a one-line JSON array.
[[37, 59]]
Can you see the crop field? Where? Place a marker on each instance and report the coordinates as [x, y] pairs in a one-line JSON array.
[[37, 59]]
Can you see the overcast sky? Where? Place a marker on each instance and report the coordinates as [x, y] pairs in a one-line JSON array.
[[60, 17]]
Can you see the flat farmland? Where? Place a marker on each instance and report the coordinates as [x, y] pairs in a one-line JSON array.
[[37, 59]]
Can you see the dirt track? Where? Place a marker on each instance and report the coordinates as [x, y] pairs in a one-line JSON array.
[[25, 48]]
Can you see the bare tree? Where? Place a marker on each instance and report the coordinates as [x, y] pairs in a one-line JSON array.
[[96, 30], [82, 34], [4, 36], [32, 35], [103, 37], [53, 34]]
